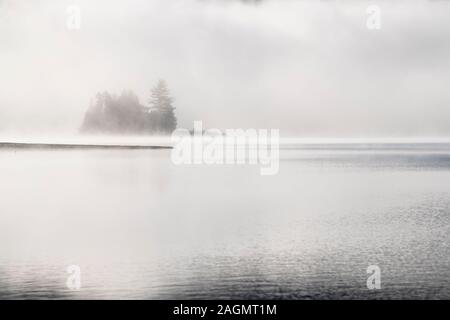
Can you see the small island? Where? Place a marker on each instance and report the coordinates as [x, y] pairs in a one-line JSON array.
[[124, 114]]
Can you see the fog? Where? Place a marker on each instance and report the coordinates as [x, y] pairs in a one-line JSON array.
[[308, 68]]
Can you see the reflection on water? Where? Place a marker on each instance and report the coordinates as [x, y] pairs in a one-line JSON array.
[[141, 227]]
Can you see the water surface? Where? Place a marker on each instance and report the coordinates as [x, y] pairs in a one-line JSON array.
[[140, 227]]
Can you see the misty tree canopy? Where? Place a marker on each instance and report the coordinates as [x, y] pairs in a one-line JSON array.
[[125, 115]]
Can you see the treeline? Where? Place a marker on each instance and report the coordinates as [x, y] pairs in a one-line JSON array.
[[125, 115]]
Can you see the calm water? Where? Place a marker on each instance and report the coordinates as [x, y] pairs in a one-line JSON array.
[[140, 227]]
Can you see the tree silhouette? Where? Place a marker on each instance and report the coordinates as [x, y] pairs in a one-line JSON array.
[[161, 110], [125, 115]]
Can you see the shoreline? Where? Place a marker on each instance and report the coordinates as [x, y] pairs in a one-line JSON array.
[[24, 145]]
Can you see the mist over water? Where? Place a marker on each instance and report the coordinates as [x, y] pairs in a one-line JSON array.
[[140, 227], [91, 92], [308, 68]]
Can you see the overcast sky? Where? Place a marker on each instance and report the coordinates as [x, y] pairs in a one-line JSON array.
[[309, 68]]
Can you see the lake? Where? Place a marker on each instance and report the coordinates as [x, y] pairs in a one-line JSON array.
[[140, 227]]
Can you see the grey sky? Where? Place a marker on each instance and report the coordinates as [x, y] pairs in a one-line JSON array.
[[309, 68]]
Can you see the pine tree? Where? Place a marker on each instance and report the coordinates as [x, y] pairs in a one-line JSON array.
[[162, 111]]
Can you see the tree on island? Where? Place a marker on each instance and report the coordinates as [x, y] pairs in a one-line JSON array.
[[124, 114], [162, 112]]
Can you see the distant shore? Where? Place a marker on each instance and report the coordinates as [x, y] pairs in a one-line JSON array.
[[18, 145]]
